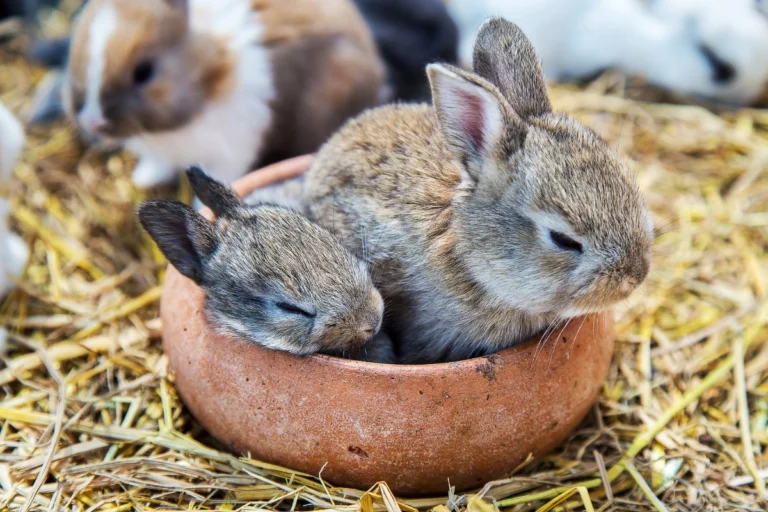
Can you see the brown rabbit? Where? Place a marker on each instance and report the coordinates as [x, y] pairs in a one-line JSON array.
[[488, 217], [219, 83]]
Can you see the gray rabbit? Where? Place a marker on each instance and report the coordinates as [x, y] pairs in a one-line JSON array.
[[270, 275], [488, 217]]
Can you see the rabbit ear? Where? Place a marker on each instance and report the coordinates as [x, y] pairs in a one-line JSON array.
[[504, 56], [213, 194], [182, 235], [470, 113]]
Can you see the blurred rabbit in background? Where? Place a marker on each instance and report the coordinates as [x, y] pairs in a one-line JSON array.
[[409, 34], [714, 49], [323, 67], [226, 85]]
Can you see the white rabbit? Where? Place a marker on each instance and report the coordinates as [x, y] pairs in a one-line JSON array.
[[716, 49], [13, 251]]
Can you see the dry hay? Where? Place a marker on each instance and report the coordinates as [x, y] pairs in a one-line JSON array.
[[91, 421]]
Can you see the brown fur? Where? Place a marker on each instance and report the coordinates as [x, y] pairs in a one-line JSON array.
[[286, 21], [326, 70]]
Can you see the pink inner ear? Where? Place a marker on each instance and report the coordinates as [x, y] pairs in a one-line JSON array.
[[472, 118]]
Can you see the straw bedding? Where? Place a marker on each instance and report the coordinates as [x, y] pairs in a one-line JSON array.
[[90, 419]]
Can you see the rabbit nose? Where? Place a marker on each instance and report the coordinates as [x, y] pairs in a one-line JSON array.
[[627, 285], [368, 330], [640, 269]]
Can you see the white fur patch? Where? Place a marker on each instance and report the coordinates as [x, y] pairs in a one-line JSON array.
[[226, 137], [101, 29], [11, 142]]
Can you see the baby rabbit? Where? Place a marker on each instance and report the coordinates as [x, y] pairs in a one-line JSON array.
[[219, 83], [487, 217], [710, 48], [270, 275]]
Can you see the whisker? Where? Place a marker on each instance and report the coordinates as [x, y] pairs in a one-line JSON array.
[[554, 343], [545, 339], [584, 319]]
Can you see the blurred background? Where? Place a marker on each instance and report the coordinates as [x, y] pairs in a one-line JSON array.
[[676, 86]]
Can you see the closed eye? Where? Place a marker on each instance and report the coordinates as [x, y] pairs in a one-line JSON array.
[[294, 310], [564, 242]]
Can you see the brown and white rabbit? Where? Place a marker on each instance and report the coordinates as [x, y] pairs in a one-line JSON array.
[[488, 217], [270, 275], [218, 83]]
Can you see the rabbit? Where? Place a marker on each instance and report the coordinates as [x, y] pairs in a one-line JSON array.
[[711, 49], [225, 84], [15, 252], [269, 274], [488, 217], [410, 34]]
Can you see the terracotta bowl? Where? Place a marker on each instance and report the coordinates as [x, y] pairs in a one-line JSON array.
[[417, 427]]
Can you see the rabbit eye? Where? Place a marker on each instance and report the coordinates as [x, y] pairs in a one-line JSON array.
[[294, 310], [143, 73], [564, 242]]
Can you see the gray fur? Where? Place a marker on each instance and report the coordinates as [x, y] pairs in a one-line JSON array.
[[254, 261], [289, 193], [458, 231]]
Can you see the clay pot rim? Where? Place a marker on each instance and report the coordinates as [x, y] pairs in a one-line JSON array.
[[296, 166]]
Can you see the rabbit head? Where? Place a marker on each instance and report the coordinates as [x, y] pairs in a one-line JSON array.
[[270, 275], [134, 66], [549, 219]]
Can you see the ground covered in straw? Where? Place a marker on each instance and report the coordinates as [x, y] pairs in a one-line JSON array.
[[90, 419]]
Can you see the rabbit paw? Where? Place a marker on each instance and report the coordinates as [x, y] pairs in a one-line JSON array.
[[150, 173]]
